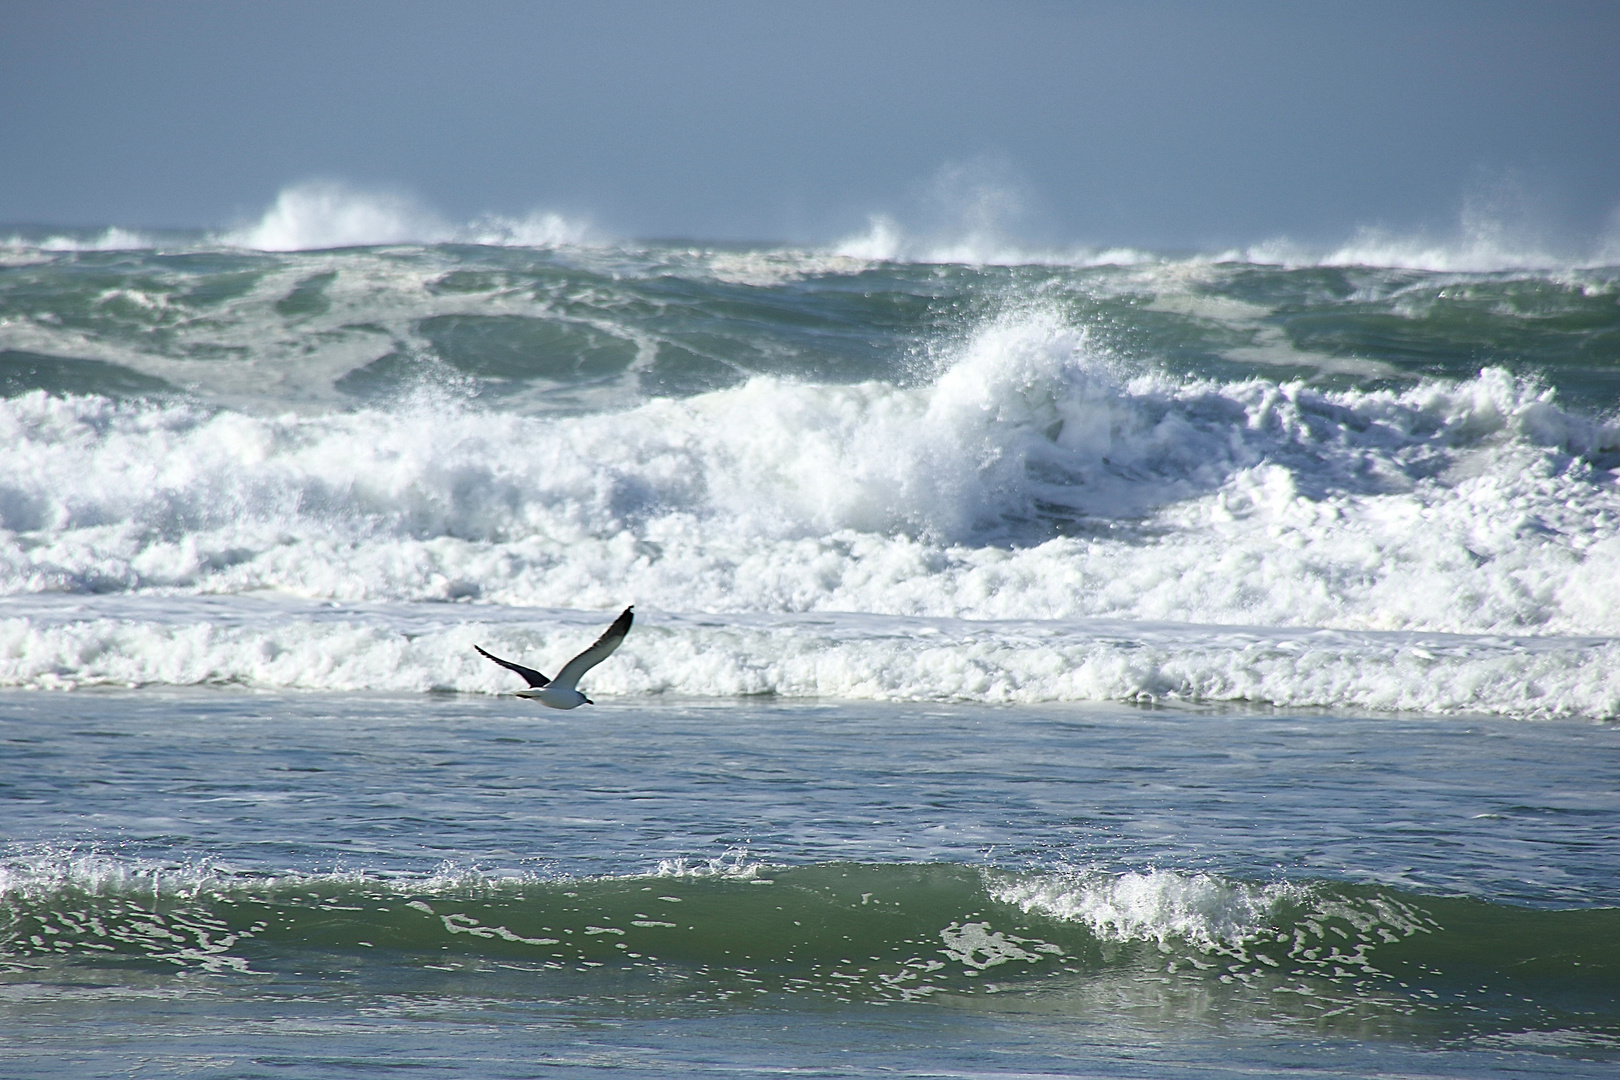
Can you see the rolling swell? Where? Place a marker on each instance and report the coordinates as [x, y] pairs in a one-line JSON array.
[[1317, 950]]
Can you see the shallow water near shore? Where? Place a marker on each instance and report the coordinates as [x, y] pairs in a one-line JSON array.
[[226, 882]]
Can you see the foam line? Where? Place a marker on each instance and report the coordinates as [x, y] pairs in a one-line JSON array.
[[70, 644]]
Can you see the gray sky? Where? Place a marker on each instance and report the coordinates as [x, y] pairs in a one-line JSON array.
[[1157, 124]]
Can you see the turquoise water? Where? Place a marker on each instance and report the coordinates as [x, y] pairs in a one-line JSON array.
[[1063, 664]]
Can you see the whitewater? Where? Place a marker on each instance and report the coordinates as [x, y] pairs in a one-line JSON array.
[[1387, 487]]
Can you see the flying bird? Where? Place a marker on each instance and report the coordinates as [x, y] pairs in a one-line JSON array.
[[559, 693]]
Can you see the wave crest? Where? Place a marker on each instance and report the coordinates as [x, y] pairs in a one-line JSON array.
[[325, 214]]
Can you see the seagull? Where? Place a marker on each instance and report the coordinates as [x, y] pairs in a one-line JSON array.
[[559, 693]]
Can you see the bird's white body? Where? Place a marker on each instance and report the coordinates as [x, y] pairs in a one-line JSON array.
[[555, 697]]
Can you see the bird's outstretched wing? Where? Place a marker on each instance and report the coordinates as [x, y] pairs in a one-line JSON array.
[[530, 676], [568, 677]]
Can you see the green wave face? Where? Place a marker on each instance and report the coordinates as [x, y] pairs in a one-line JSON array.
[[1335, 955]]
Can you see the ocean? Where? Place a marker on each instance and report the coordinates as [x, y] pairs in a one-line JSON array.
[[1046, 663]]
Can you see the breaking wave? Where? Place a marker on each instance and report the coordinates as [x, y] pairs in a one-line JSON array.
[[837, 931], [318, 216], [1029, 479]]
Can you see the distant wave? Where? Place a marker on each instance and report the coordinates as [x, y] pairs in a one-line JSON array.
[[324, 215], [109, 239], [885, 240], [318, 216], [1480, 246], [1482, 249]]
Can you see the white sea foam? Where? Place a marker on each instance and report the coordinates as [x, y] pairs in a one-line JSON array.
[[73, 642], [1157, 905], [44, 871], [320, 215], [540, 229], [1496, 230], [732, 866], [767, 268], [110, 239], [1463, 507], [1479, 253], [1489, 237], [881, 242], [970, 209], [1029, 480], [1244, 931], [39, 871], [885, 240]]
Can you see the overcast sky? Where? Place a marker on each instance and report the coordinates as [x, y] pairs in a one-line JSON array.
[[1157, 124]]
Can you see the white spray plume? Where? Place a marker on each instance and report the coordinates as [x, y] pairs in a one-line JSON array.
[[325, 214]]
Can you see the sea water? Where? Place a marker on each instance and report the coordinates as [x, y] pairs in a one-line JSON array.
[[227, 883], [1082, 664]]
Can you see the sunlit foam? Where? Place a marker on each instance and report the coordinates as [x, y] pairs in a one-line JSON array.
[[969, 212], [1484, 252], [1491, 235], [331, 215], [88, 642], [953, 497], [767, 268], [111, 239], [541, 229], [885, 240], [1157, 906], [315, 216], [881, 242], [1244, 931]]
